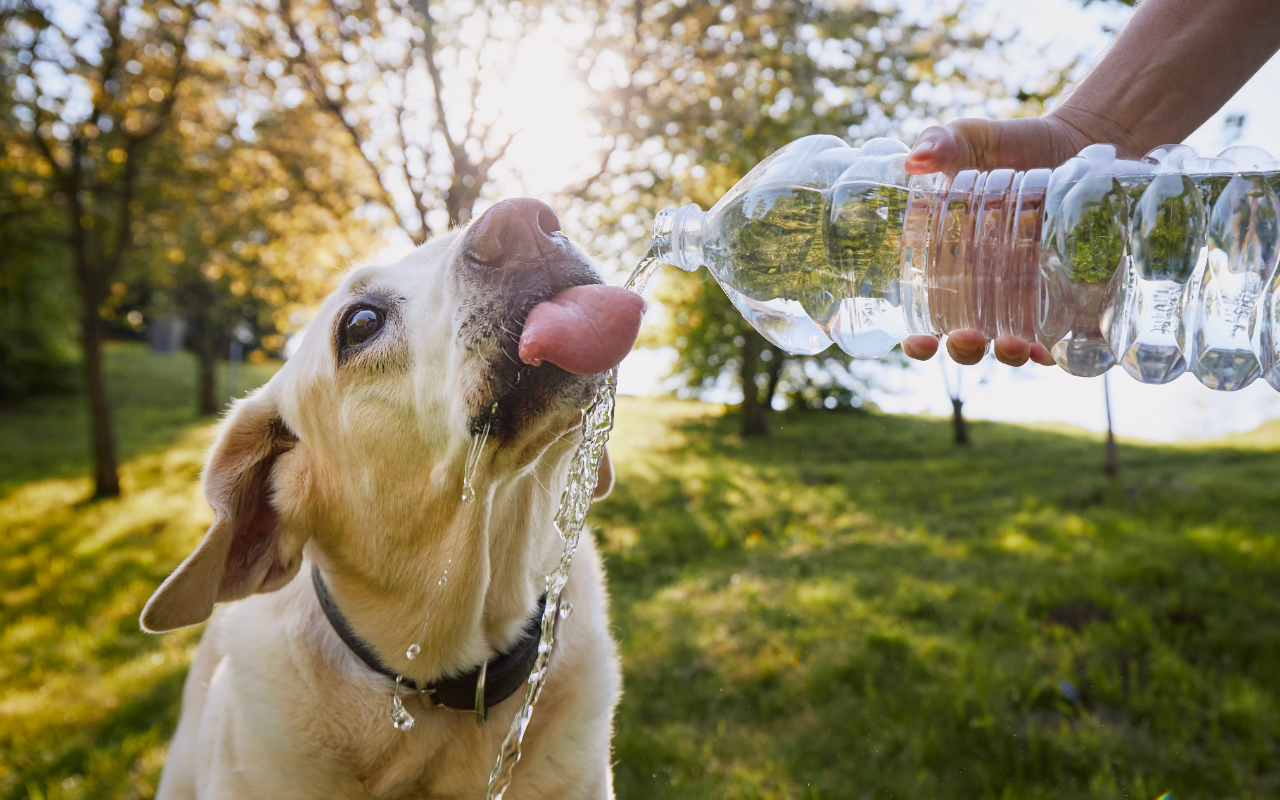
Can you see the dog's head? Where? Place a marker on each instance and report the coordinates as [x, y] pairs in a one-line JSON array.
[[362, 437]]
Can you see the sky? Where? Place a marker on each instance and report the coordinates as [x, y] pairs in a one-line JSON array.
[[1179, 411]]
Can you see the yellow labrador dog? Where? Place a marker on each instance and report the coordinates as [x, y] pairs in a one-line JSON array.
[[343, 546]]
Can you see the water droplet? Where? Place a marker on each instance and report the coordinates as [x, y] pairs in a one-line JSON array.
[[443, 580], [468, 493], [566, 608], [400, 716], [412, 652]]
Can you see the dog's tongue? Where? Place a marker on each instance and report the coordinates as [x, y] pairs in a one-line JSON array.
[[585, 329]]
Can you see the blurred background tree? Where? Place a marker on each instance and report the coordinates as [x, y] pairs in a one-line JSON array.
[[91, 88], [217, 162], [418, 90], [37, 324], [694, 95], [255, 216]]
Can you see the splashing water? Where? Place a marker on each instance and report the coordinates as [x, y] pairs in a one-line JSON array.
[[584, 470], [472, 463], [400, 716]]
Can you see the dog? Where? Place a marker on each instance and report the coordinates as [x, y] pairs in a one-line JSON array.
[[342, 539]]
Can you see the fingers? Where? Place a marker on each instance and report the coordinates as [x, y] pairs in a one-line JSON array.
[[1011, 350], [921, 348], [1040, 354], [936, 150], [966, 346]]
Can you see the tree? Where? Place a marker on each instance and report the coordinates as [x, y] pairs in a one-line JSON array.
[[959, 426], [91, 94], [254, 215], [416, 88], [37, 329], [693, 95], [1112, 464]]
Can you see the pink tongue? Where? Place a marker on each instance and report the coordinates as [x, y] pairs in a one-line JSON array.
[[585, 329]]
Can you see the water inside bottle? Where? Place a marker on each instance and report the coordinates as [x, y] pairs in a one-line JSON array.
[[1104, 260], [862, 234], [1243, 232], [1145, 327], [762, 258]]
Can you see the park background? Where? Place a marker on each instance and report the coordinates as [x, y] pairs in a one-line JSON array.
[[817, 591]]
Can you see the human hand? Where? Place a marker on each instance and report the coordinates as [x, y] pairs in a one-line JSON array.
[[984, 144]]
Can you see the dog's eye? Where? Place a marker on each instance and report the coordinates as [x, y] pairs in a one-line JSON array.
[[361, 326]]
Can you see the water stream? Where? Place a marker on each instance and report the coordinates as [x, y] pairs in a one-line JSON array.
[[597, 422], [472, 463]]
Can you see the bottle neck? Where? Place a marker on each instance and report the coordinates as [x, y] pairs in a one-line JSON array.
[[677, 237]]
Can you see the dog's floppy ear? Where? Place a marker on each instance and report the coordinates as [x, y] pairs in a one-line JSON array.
[[604, 477], [244, 551]]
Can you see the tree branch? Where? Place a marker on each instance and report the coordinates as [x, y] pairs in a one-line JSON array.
[[579, 192], [338, 110]]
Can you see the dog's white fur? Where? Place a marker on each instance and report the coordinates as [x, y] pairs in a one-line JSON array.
[[357, 467]]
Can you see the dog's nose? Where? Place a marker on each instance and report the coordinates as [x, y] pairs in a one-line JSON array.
[[516, 231]]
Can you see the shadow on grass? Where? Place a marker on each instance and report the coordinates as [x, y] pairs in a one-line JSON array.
[[854, 608], [89, 700]]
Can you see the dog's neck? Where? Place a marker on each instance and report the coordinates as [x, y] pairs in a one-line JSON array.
[[460, 579]]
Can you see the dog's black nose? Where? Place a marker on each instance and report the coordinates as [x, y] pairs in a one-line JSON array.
[[515, 232]]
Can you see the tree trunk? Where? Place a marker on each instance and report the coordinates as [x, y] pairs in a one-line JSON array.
[[206, 351], [775, 372], [957, 419], [106, 480], [1112, 465], [753, 419]]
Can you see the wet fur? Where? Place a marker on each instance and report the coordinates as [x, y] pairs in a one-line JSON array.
[[353, 461]]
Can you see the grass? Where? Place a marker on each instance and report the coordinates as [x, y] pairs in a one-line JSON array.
[[857, 608], [853, 608], [152, 400], [87, 701]]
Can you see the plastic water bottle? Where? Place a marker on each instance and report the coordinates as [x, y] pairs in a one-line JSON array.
[[1163, 264]]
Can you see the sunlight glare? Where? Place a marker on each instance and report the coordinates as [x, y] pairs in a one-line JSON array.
[[545, 105]]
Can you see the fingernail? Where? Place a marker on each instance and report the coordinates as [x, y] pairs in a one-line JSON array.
[[923, 146]]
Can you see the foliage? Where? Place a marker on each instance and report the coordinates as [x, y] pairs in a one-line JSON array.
[[37, 320], [247, 230], [851, 609], [417, 90], [1092, 227], [86, 93]]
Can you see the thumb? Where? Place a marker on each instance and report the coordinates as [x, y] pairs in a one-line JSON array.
[[958, 145], [985, 144], [936, 150]]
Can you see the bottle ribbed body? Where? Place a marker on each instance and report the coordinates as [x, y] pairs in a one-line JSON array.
[[1163, 265]]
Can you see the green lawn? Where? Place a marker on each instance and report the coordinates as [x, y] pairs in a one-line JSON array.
[[853, 608]]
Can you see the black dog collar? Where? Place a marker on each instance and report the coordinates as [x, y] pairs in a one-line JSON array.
[[502, 675]]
